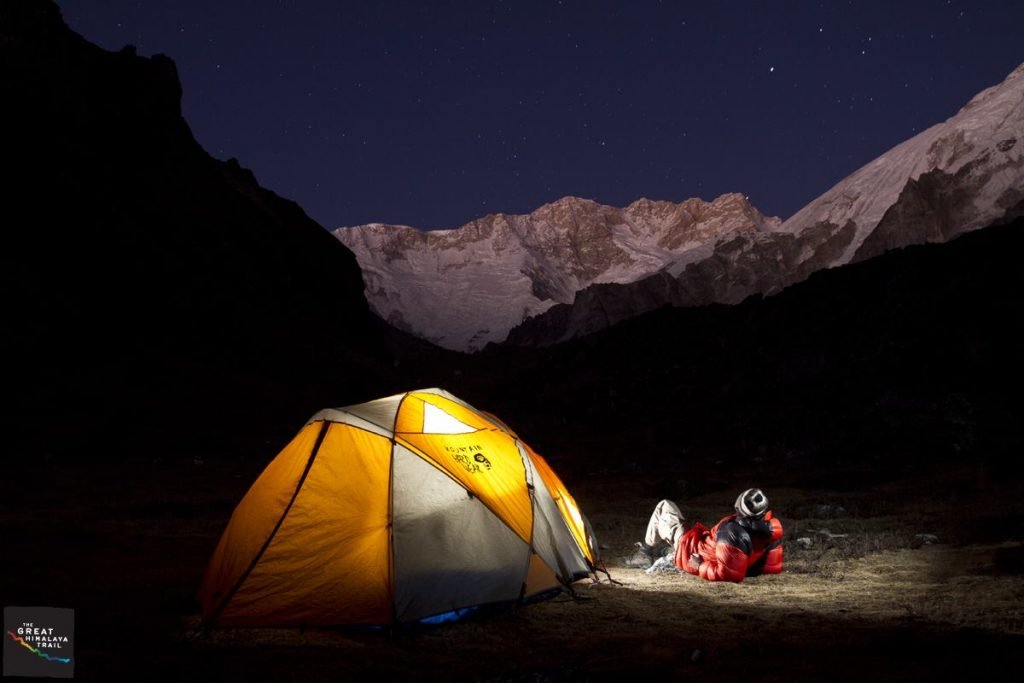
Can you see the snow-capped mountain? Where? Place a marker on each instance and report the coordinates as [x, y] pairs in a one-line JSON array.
[[466, 287], [957, 176], [574, 266]]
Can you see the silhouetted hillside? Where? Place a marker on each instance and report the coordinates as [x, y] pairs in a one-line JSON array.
[[908, 359], [153, 294], [159, 302]]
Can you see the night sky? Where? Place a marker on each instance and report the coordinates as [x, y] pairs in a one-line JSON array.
[[434, 113]]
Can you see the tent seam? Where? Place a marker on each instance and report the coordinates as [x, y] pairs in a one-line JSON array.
[[391, 529], [266, 544], [528, 475]]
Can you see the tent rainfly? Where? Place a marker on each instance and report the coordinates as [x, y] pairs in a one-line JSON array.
[[415, 507]]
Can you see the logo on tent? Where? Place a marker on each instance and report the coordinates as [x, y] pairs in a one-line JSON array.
[[470, 457]]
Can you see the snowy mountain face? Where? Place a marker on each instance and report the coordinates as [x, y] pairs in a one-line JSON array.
[[955, 177], [574, 266], [466, 287]]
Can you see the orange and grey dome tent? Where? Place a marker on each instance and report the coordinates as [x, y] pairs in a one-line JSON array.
[[406, 508]]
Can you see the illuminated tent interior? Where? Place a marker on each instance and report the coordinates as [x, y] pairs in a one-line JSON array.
[[415, 507]]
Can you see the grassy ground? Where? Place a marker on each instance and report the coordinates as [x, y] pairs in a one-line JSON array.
[[125, 544]]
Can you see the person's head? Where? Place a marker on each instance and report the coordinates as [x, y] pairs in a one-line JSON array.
[[751, 503]]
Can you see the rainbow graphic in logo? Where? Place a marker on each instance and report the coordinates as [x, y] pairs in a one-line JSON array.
[[36, 651]]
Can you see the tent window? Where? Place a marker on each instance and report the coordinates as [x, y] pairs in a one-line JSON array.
[[437, 421]]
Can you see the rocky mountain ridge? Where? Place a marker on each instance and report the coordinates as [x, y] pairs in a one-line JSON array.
[[466, 287], [955, 177]]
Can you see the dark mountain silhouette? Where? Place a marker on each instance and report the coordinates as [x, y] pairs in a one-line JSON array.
[[159, 302], [152, 294], [905, 360]]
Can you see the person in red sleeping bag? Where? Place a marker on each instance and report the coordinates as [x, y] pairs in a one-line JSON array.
[[747, 543]]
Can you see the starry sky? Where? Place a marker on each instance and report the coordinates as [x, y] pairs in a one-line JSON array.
[[434, 113]]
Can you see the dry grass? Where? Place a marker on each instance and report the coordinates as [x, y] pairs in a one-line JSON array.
[[125, 545]]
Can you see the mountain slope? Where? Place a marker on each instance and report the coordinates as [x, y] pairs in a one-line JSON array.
[[974, 162], [466, 287], [154, 294], [957, 176]]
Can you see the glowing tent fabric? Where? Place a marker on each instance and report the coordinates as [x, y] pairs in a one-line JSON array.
[[396, 510]]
